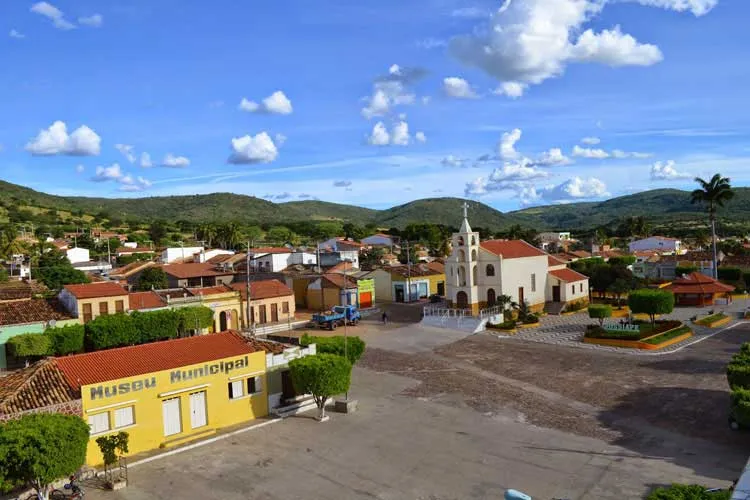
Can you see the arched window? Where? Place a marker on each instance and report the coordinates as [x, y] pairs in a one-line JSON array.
[[473, 240], [462, 300], [473, 255], [491, 298], [474, 275], [461, 256], [489, 270], [461, 276], [460, 241]]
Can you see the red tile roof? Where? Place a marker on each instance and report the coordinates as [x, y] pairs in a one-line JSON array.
[[145, 300], [568, 275], [511, 249], [697, 283], [193, 270], [263, 289], [123, 362], [341, 267], [41, 384], [15, 290], [554, 261], [437, 266], [20, 312], [211, 290], [341, 281], [94, 290]]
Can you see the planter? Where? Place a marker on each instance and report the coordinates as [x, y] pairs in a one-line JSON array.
[[641, 344], [345, 405], [116, 484], [713, 324]]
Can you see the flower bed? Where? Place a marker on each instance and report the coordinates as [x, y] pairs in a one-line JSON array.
[[668, 333], [713, 321], [663, 337]]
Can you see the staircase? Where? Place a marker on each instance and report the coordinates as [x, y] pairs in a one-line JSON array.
[[294, 406], [554, 308]]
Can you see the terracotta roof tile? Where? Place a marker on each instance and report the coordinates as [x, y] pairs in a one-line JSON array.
[[416, 270], [113, 364], [265, 250], [211, 290], [127, 250], [31, 311], [341, 281], [15, 290], [193, 270], [132, 268], [554, 261], [568, 275], [41, 384], [264, 289], [145, 300], [511, 249], [94, 290], [698, 283], [437, 266]]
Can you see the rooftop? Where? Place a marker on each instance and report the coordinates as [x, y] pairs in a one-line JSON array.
[[696, 282], [31, 311], [145, 300], [336, 280], [123, 362], [267, 250], [511, 249], [41, 384], [568, 275], [193, 270], [15, 290], [132, 268], [94, 290], [264, 289], [554, 261], [211, 290], [135, 250]]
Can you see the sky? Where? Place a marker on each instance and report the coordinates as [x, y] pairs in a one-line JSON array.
[[514, 103]]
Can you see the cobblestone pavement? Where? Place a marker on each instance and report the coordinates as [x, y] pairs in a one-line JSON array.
[[568, 330]]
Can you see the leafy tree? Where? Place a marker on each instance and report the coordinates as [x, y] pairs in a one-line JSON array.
[[625, 260], [682, 270], [66, 339], [39, 449], [322, 375], [152, 278], [158, 231], [111, 445], [354, 347], [730, 274], [326, 230], [9, 243], [3, 275], [228, 235], [619, 287], [713, 193], [55, 270], [115, 330], [253, 233], [29, 345], [194, 318], [156, 325], [600, 312], [206, 233], [651, 302], [354, 231], [279, 235]]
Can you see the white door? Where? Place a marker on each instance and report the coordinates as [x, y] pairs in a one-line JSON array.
[[171, 412], [198, 409]]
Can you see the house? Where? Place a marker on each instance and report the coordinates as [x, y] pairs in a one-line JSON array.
[[664, 267], [340, 244], [271, 301], [131, 272], [658, 243], [29, 316], [281, 391], [99, 235], [379, 240], [421, 280], [60, 244], [146, 301], [76, 255], [331, 289], [480, 271], [389, 259], [196, 274], [697, 289], [276, 259], [554, 240], [330, 258], [91, 266], [20, 267], [206, 255], [174, 254], [90, 300], [365, 284], [126, 251]]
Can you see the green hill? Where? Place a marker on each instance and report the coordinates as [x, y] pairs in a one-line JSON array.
[[443, 211]]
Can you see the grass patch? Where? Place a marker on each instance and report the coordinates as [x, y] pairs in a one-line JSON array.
[[711, 319], [658, 339], [505, 325]]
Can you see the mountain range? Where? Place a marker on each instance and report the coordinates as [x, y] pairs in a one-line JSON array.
[[659, 206]]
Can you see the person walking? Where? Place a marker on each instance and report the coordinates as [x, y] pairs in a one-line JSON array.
[[385, 318]]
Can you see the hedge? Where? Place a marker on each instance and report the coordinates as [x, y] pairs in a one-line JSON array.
[[738, 369], [29, 344], [335, 345], [66, 340], [108, 331], [688, 492], [156, 325], [625, 260], [190, 317], [739, 401], [729, 273]]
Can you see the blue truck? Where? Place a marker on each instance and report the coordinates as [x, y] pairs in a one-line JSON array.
[[338, 316]]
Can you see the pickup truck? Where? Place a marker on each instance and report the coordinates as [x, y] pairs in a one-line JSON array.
[[338, 316]]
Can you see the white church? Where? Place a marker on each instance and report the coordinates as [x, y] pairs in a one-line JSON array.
[[477, 272]]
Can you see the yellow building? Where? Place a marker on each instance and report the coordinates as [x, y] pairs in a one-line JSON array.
[[89, 300], [167, 393], [271, 301]]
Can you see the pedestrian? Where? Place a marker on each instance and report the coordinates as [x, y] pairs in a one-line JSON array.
[[385, 317]]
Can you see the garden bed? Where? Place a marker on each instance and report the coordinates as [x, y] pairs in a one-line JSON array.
[[713, 320], [508, 327], [664, 334], [645, 330]]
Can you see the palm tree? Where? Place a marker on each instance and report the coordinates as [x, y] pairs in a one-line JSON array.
[[713, 193], [206, 233], [9, 243]]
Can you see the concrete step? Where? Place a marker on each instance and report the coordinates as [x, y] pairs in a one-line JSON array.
[[301, 405], [554, 308]]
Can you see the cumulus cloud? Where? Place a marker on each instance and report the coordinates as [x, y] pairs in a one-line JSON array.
[[515, 176], [507, 145], [619, 154], [55, 141], [253, 149], [400, 134], [146, 160], [111, 173], [574, 189], [173, 161], [277, 103], [127, 151], [392, 89], [94, 21], [594, 153], [343, 184], [513, 90], [665, 171], [459, 88], [528, 42], [553, 157], [80, 169], [16, 34], [452, 161], [420, 137], [590, 141], [697, 7], [379, 135], [130, 184], [53, 14]]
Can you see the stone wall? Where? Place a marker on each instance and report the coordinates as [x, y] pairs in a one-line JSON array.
[[69, 408]]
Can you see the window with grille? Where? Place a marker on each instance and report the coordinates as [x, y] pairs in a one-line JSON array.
[[285, 307], [119, 306]]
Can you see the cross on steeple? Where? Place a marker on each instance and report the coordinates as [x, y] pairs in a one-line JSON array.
[[465, 206]]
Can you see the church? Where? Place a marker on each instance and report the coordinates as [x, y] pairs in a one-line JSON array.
[[477, 272]]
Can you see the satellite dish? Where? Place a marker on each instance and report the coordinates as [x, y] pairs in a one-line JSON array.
[[52, 323]]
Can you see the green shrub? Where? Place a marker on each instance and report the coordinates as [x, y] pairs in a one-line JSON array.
[[625, 260], [658, 339], [192, 318], [707, 320], [531, 319], [66, 339], [322, 375], [729, 274], [29, 344], [739, 401], [680, 270], [576, 305], [738, 369], [3, 275], [687, 492], [156, 325], [651, 302], [355, 346], [600, 312], [109, 331], [152, 278]]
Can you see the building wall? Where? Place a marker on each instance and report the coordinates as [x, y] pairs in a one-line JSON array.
[[365, 286], [655, 244], [256, 306], [172, 254], [517, 273], [420, 283], [567, 294], [331, 297], [383, 288], [434, 279], [76, 255], [145, 393], [8, 331], [75, 306], [276, 364]]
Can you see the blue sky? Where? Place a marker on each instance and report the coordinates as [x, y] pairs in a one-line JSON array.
[[513, 103]]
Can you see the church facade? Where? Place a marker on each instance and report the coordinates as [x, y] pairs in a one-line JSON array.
[[477, 272]]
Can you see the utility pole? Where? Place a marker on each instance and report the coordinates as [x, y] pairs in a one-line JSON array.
[[408, 272], [320, 277], [250, 320]]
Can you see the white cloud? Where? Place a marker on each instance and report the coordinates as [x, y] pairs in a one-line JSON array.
[[379, 105], [697, 7], [280, 139], [392, 90], [533, 40], [277, 103], [80, 169], [619, 154], [420, 137], [400, 134], [470, 13], [477, 187], [458, 88], [111, 173], [452, 161], [515, 176], [573, 189], [513, 90], [253, 149], [344, 184], [53, 14], [379, 135], [16, 34], [173, 161], [426, 100], [663, 171], [56, 141], [591, 141], [94, 21], [129, 184], [553, 157], [127, 151], [613, 48], [599, 154], [146, 160], [506, 146]]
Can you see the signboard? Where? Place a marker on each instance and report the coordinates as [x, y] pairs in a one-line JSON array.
[[620, 327]]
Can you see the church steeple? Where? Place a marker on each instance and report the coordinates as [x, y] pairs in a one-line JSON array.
[[465, 227]]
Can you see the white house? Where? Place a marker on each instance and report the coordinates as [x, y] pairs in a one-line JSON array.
[[660, 244], [76, 255], [173, 254], [477, 272], [205, 255]]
